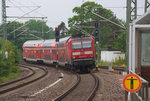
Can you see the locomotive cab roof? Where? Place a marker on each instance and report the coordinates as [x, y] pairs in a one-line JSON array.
[[77, 36]]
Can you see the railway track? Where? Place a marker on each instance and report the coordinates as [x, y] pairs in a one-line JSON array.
[[84, 89], [121, 69], [35, 74]]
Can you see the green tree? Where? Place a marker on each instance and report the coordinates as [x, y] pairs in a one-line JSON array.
[[84, 17], [120, 43], [8, 64], [39, 28], [12, 33], [51, 33], [18, 32]]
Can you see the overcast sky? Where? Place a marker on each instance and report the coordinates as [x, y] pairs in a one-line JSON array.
[[61, 10]]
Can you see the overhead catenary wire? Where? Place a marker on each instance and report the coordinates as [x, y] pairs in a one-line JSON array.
[[18, 7], [36, 11], [78, 28], [35, 36], [20, 18], [21, 33], [26, 13], [123, 7], [48, 31], [30, 7], [107, 19], [20, 27], [26, 17], [22, 6]]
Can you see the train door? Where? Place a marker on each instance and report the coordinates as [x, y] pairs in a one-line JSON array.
[[54, 54], [41, 51], [50, 53], [37, 54], [34, 54]]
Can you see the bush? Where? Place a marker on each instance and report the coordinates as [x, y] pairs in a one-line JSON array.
[[104, 63], [8, 64], [117, 62], [120, 61]]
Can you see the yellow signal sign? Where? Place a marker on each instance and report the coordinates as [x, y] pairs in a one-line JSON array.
[[132, 83]]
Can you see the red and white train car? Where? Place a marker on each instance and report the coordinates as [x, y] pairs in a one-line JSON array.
[[49, 51], [77, 52], [32, 50], [73, 52]]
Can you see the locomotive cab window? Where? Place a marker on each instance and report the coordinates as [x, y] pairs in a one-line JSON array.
[[82, 44], [87, 44], [76, 45]]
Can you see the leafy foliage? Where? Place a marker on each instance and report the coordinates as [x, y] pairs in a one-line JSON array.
[[18, 32], [8, 65], [39, 28], [85, 18], [120, 43], [119, 62]]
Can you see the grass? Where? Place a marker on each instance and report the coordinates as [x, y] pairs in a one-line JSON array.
[[11, 76], [104, 63], [118, 62]]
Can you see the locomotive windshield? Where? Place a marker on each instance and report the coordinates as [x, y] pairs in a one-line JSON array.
[[87, 44], [81, 44], [76, 45]]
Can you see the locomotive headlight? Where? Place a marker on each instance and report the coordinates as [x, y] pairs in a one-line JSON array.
[[74, 57], [75, 53], [88, 52]]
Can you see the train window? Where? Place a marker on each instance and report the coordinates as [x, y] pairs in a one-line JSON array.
[[87, 44], [76, 45]]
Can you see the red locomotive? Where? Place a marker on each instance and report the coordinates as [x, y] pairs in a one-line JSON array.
[[74, 52]]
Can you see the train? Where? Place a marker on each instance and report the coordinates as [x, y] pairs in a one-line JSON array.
[[77, 53]]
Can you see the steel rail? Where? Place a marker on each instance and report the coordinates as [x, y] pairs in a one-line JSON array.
[[26, 83], [93, 93], [70, 90], [115, 68], [8, 83]]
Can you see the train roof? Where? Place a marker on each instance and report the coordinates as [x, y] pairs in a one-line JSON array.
[[32, 43], [72, 37], [64, 39], [49, 43]]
